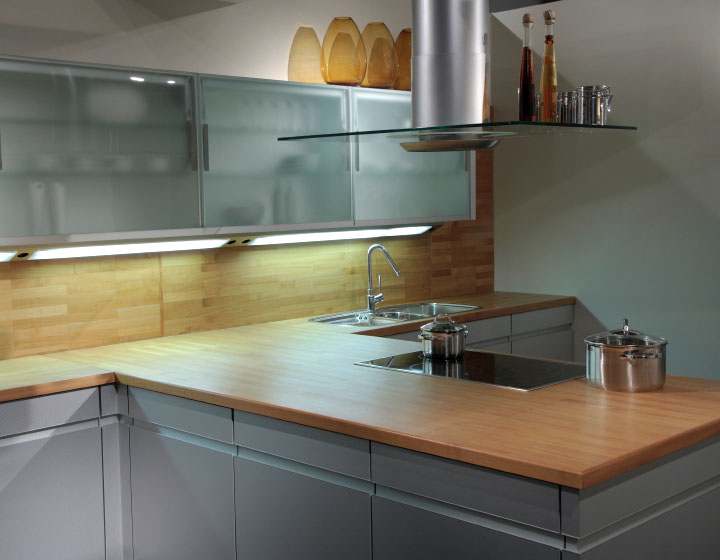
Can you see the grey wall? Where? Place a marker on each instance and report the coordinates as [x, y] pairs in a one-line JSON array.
[[627, 222], [234, 37]]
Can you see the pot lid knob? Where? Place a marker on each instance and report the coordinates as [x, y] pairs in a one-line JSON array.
[[626, 327]]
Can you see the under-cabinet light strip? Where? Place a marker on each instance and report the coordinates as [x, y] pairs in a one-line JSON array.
[[126, 249], [5, 257], [338, 235]]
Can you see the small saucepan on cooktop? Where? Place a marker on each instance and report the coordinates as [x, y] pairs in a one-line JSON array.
[[443, 339]]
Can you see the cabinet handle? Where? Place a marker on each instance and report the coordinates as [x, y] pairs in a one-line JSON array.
[[348, 142], [1, 164], [206, 148], [193, 146], [357, 153], [467, 161]]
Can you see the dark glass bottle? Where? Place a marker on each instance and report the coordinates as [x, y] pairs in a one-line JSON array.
[[526, 89]]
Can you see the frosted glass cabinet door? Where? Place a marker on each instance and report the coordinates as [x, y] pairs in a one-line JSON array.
[[87, 149], [250, 179], [390, 184]]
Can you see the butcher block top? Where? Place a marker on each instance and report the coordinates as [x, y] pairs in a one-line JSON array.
[[569, 434]]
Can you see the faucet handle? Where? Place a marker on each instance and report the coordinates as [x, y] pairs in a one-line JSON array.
[[379, 283]]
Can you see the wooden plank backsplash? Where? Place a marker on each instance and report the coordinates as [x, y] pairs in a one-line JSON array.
[[50, 306]]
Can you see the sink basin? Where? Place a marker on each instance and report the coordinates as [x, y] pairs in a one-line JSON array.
[[427, 309], [357, 318], [393, 315]]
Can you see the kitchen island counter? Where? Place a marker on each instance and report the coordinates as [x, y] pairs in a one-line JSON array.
[[569, 434]]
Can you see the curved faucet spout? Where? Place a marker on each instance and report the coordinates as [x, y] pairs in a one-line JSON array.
[[371, 297]]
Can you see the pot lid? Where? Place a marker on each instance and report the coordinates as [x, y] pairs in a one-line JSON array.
[[624, 337], [443, 324]]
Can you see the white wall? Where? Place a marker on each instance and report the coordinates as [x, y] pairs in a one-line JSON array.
[[240, 37], [627, 222]]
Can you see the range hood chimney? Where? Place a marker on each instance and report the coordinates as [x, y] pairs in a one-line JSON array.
[[450, 62], [451, 69]]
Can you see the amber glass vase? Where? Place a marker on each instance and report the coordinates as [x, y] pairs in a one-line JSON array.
[[382, 65], [403, 48], [342, 59], [304, 60]]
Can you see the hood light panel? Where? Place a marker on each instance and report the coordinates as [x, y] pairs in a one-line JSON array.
[[126, 249], [338, 235], [6, 256]]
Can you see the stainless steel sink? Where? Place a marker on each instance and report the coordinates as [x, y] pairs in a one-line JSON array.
[[355, 318], [427, 309], [392, 315]]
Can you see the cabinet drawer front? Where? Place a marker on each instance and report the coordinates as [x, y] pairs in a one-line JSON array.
[[37, 413], [528, 501], [182, 499], [503, 347], [555, 346], [542, 319], [311, 446], [403, 531], [487, 329], [51, 498], [283, 514], [194, 417], [411, 336], [478, 331]]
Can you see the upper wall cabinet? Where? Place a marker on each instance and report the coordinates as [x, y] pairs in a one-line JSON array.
[[90, 149], [251, 181], [393, 186]]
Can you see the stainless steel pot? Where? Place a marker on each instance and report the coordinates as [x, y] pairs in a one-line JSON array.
[[625, 360], [443, 339]]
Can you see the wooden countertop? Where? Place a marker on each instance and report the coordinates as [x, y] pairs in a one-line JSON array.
[[567, 434]]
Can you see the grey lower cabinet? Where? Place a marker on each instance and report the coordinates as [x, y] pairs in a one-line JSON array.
[[182, 502], [51, 478], [284, 514], [404, 531]]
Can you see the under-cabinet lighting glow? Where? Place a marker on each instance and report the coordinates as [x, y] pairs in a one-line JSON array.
[[137, 79], [5, 257], [338, 235], [171, 81], [126, 249]]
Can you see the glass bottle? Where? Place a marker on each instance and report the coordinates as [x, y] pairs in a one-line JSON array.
[[526, 88], [548, 81]]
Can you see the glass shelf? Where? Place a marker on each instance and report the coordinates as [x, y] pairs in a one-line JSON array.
[[462, 136]]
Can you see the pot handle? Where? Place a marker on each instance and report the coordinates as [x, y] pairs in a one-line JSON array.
[[639, 355], [425, 336]]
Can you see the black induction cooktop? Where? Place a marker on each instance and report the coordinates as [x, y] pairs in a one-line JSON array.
[[502, 370]]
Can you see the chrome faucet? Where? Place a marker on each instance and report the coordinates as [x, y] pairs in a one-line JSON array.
[[373, 299]]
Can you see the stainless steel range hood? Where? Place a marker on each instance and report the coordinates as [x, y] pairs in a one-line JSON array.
[[450, 62], [451, 70]]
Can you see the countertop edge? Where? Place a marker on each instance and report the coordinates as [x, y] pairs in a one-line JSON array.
[[59, 386]]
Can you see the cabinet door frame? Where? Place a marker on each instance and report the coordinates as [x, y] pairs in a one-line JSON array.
[[19, 242], [470, 167], [202, 147]]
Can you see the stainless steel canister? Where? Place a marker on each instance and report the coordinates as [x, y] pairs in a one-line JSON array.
[[593, 104], [625, 360], [443, 339]]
